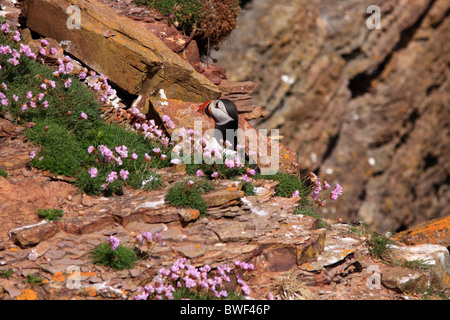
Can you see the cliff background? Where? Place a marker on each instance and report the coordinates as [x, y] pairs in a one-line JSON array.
[[368, 108]]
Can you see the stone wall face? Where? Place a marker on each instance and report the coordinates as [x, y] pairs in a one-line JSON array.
[[368, 108]]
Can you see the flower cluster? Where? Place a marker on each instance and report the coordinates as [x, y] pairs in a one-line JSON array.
[[114, 243], [182, 275], [150, 240], [318, 188]]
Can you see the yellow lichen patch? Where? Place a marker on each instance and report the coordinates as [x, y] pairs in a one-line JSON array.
[[27, 294], [91, 291], [58, 276], [14, 249]]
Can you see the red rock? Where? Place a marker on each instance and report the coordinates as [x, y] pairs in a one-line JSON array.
[[28, 236]]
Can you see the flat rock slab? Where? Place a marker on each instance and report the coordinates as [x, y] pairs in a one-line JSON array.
[[122, 49]]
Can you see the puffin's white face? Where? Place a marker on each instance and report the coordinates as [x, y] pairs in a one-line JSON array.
[[219, 112]]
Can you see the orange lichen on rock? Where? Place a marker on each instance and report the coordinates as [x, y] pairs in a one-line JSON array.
[[435, 232]]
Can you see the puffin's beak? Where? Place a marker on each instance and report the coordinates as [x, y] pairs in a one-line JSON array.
[[205, 108]]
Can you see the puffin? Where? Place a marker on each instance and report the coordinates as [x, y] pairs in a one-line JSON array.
[[226, 117]]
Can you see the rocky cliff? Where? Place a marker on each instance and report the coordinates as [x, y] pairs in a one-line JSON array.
[[366, 107]]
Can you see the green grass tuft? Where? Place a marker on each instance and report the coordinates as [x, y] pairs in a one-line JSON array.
[[4, 174], [183, 195], [50, 214], [119, 259]]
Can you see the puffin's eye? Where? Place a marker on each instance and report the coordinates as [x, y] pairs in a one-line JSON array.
[[217, 104]]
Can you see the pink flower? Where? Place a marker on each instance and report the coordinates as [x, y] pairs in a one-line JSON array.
[[42, 52], [43, 86], [32, 154], [215, 174], [199, 173], [14, 62], [134, 156], [15, 98], [44, 43], [83, 115], [45, 104], [5, 102], [336, 192], [68, 83], [111, 176], [124, 174], [53, 51], [156, 150], [251, 172], [29, 95], [326, 185], [245, 178], [91, 149], [295, 194], [93, 172], [114, 242], [147, 158]]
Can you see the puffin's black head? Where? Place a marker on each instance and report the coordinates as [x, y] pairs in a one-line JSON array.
[[225, 114]]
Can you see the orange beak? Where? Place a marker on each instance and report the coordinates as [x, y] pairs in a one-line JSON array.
[[205, 106]]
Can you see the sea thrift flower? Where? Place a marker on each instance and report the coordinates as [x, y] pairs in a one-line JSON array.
[[13, 61], [326, 185], [83, 115], [42, 52], [336, 192], [147, 158], [40, 96], [199, 173], [44, 42], [68, 83], [32, 154], [93, 172], [45, 104], [295, 194], [5, 102], [134, 156], [111, 176], [156, 150], [43, 86], [124, 174], [15, 98], [114, 242], [251, 172], [245, 178], [91, 149], [16, 36], [52, 84], [53, 51], [122, 151], [29, 95], [215, 175]]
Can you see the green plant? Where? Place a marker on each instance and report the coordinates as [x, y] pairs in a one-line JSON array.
[[120, 258], [248, 188], [417, 264], [288, 184], [6, 274], [308, 210], [188, 194], [3, 174], [50, 214], [208, 20], [64, 118], [32, 279]]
